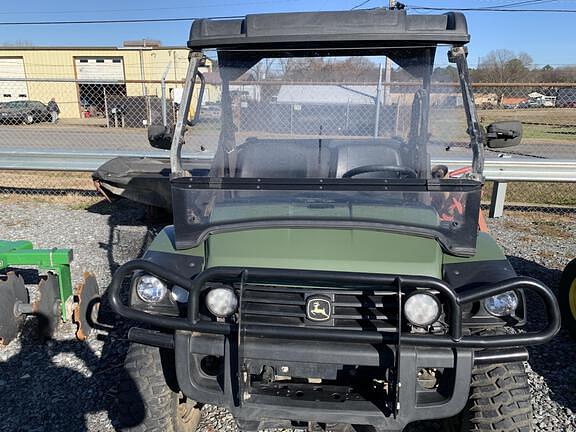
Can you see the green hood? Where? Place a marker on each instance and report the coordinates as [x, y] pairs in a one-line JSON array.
[[326, 249]]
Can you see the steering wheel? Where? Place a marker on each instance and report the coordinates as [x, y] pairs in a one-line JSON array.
[[402, 171]]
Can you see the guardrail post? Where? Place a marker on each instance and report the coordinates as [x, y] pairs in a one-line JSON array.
[[498, 199]]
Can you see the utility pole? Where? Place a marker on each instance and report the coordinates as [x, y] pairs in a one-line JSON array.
[[388, 68], [378, 98]]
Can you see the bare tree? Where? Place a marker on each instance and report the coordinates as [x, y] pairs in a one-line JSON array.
[[503, 65]]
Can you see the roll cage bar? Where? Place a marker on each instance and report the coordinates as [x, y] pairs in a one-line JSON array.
[[365, 31]]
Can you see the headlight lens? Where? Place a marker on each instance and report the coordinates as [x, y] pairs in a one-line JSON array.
[[222, 302], [421, 309], [502, 305], [179, 294], [150, 289]]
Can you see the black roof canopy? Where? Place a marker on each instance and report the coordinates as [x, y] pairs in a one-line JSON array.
[[364, 28]]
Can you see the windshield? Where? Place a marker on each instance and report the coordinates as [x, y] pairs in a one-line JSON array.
[[402, 110], [15, 105], [374, 127]]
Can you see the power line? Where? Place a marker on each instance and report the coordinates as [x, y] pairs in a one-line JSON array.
[[117, 21], [209, 6], [188, 19], [359, 5], [490, 9], [518, 3]]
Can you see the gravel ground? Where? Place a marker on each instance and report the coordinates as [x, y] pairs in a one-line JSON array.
[[70, 386]]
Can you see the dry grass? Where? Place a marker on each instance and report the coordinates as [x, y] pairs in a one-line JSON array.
[[46, 180], [72, 201], [552, 194]]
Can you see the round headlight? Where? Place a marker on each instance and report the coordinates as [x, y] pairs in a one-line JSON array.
[[502, 305], [222, 302], [150, 289], [421, 309]]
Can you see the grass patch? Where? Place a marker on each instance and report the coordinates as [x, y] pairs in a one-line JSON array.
[[46, 180], [560, 194], [72, 201]]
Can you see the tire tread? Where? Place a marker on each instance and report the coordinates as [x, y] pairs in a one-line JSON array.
[[144, 398], [500, 399]]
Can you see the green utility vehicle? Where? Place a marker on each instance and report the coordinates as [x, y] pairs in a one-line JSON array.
[[326, 271], [568, 297], [56, 301]]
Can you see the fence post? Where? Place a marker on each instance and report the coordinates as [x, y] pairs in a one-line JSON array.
[[163, 88], [106, 108], [498, 199], [378, 97], [348, 116], [291, 119]]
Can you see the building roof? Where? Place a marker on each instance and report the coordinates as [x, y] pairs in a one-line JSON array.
[[88, 48], [340, 29], [327, 94]]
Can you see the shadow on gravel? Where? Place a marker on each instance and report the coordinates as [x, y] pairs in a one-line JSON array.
[[124, 242], [54, 384], [554, 361]]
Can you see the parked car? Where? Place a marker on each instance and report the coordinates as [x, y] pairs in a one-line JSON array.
[[210, 112], [566, 98], [17, 112]]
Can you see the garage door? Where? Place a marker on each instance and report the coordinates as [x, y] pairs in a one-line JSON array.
[[100, 69], [11, 67]]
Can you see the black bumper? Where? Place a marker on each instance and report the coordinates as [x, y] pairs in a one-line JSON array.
[[241, 345]]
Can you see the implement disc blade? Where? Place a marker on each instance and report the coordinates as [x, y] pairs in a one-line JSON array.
[[87, 306], [12, 291], [47, 307]]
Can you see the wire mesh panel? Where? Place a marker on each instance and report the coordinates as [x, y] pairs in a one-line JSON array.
[[71, 115], [281, 98]]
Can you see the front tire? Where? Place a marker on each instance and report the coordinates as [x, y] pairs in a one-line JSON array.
[[567, 298], [499, 401], [148, 399], [29, 119]]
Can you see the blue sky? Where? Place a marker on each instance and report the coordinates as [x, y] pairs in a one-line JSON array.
[[548, 38]]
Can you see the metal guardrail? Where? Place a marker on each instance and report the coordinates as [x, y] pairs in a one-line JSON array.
[[67, 160], [500, 171], [541, 170]]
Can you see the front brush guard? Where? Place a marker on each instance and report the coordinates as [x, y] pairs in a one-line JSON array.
[[454, 338]]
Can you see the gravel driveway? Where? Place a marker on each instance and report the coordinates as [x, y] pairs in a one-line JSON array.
[[70, 386]]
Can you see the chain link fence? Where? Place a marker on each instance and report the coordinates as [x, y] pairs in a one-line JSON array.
[[71, 116]]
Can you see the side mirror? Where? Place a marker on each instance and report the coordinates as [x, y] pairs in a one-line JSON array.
[[504, 134], [160, 136]]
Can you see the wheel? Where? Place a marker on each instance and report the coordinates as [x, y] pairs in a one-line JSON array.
[[499, 401], [47, 307], [12, 291], [567, 299], [29, 119], [148, 399], [87, 306]]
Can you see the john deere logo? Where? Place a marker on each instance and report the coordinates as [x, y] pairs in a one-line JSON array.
[[318, 309]]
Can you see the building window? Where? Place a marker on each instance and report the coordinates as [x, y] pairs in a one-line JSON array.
[[99, 60], [22, 95], [116, 60], [83, 60], [7, 95]]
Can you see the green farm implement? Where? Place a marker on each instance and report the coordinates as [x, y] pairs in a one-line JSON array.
[[56, 301]]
